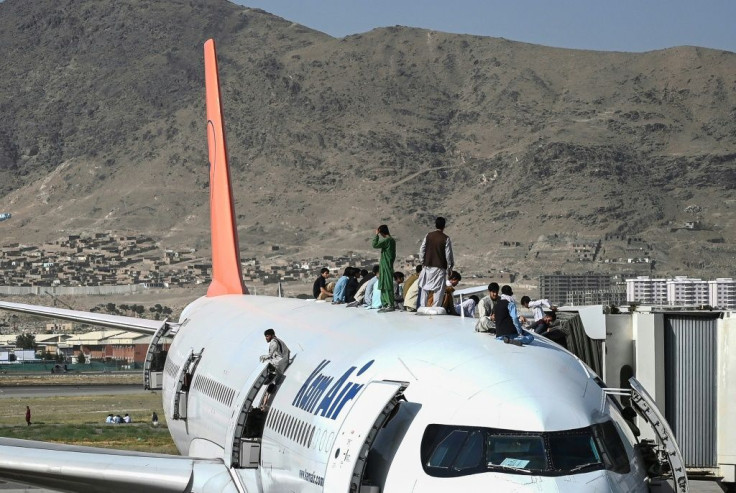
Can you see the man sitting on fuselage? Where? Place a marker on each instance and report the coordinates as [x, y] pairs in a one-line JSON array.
[[508, 327]]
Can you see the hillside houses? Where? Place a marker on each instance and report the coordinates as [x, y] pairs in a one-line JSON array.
[[104, 259]]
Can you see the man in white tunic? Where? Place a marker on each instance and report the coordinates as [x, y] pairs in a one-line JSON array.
[[437, 263], [278, 353]]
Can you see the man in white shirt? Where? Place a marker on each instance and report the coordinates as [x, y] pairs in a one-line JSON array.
[[537, 307], [485, 308], [278, 353]]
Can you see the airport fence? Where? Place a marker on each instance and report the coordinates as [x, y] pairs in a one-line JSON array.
[[50, 366]]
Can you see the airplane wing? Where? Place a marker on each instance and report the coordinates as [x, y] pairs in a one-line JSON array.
[[97, 470], [132, 324]]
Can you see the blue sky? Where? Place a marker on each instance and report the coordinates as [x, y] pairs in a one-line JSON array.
[[609, 25]]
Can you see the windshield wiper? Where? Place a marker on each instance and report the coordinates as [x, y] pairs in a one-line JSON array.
[[585, 466], [509, 468]]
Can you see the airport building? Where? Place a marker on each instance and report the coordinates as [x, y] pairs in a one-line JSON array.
[[100, 345]]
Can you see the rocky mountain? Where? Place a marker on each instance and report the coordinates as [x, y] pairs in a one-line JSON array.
[[542, 159]]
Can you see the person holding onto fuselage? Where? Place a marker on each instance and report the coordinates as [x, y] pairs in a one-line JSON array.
[[319, 288], [387, 244], [485, 309], [437, 263], [278, 352], [508, 327]]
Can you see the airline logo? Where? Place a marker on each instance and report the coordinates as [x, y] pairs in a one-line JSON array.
[[323, 395]]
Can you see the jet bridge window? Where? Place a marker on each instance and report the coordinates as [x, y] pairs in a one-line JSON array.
[[449, 451]]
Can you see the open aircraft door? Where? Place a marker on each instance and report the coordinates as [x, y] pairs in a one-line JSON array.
[[647, 409], [353, 442]]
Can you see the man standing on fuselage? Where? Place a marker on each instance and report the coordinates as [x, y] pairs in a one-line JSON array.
[[387, 244], [437, 263]]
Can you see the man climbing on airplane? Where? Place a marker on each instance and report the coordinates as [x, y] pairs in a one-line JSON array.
[[277, 359], [278, 353]]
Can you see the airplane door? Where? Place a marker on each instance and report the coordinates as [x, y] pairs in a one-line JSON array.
[[647, 409], [354, 439]]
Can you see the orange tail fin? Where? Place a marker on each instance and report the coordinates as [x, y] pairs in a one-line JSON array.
[[227, 276]]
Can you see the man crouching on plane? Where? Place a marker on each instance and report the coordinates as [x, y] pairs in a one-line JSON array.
[[508, 327], [278, 360], [278, 353]]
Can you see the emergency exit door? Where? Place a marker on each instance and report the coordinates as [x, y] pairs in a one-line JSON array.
[[353, 442]]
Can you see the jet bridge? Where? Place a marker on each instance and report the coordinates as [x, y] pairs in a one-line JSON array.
[[680, 355]]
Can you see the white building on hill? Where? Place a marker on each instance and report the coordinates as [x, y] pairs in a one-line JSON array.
[[682, 291]]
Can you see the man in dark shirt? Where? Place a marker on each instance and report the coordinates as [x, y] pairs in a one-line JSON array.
[[319, 289], [352, 286], [508, 327], [437, 262]]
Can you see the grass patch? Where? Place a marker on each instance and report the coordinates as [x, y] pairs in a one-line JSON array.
[[141, 437], [80, 420]]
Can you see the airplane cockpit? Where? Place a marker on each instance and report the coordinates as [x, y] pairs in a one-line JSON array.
[[451, 451]]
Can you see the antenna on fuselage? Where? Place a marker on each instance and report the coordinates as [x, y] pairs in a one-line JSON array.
[[227, 276]]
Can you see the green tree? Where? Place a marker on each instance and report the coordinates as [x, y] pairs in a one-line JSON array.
[[26, 341], [111, 308], [80, 358]]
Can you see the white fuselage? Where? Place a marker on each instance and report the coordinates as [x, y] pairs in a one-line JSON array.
[[454, 376]]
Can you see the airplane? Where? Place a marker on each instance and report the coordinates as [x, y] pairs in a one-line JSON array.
[[372, 403]]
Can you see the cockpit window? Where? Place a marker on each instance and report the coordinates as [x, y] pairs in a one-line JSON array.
[[460, 450], [444, 454]]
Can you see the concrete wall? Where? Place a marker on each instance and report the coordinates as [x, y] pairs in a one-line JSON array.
[[726, 426]]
